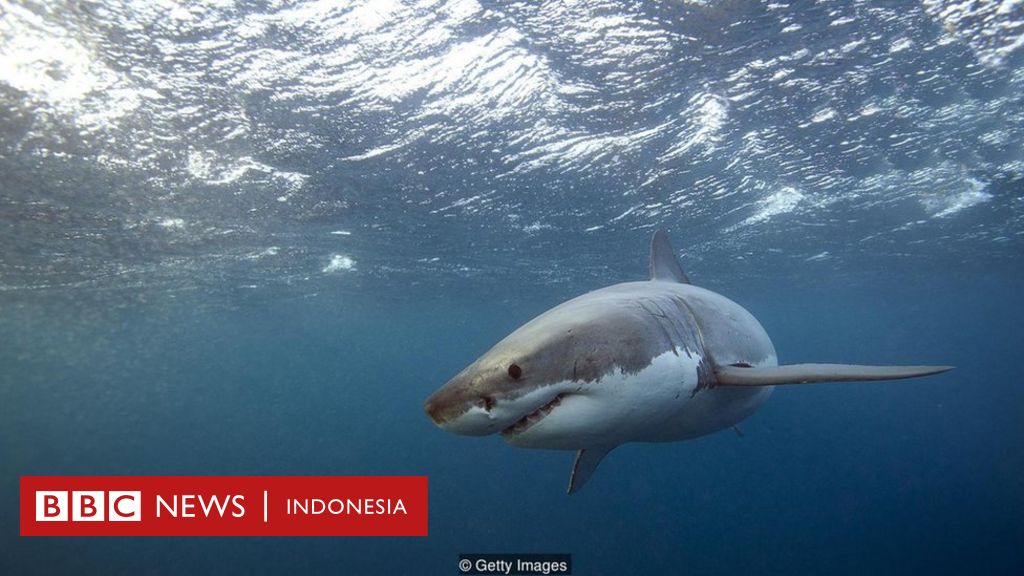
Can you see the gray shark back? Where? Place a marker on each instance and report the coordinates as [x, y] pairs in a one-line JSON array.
[[625, 326]]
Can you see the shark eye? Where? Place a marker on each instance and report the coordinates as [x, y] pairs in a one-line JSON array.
[[515, 371]]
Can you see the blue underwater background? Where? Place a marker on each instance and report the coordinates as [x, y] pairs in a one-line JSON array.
[[253, 239]]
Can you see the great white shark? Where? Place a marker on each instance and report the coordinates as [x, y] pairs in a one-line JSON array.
[[660, 360]]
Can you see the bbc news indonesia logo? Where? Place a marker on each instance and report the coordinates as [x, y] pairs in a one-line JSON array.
[[223, 505]]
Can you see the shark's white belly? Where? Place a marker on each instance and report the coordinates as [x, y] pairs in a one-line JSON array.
[[660, 403]]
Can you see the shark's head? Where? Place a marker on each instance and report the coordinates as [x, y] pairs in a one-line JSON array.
[[512, 380], [547, 370], [491, 394]]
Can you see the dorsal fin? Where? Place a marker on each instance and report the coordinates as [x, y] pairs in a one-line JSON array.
[[664, 264], [810, 373]]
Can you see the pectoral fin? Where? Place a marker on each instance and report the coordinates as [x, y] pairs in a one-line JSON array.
[[810, 373], [587, 460]]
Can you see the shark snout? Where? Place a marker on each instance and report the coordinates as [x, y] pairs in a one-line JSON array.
[[434, 411], [457, 409], [439, 406]]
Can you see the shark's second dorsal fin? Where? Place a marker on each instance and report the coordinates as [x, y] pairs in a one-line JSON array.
[[664, 264], [586, 462]]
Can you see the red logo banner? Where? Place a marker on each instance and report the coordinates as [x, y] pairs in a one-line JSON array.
[[223, 505]]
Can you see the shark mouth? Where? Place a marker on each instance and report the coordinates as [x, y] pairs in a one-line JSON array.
[[531, 419]]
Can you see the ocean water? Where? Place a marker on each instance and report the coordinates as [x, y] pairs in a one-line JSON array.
[[251, 239]]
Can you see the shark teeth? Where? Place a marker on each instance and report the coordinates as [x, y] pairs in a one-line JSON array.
[[532, 418]]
